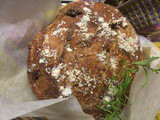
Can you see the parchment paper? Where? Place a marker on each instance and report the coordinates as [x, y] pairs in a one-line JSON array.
[[20, 20]]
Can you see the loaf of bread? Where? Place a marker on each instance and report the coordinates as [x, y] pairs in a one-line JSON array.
[[80, 52]]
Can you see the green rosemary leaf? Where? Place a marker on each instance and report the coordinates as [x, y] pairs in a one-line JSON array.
[[145, 62], [146, 76], [156, 70], [121, 90], [118, 116], [106, 102], [127, 80], [118, 102], [115, 106], [112, 116], [105, 109], [127, 97], [113, 77]]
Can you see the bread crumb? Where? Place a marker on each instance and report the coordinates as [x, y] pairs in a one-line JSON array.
[[87, 10], [80, 85], [62, 23], [68, 48], [29, 70], [112, 88], [60, 96], [87, 36], [107, 98], [56, 71], [112, 14], [33, 65], [102, 56], [48, 70], [100, 19], [86, 3], [124, 22], [72, 75], [89, 84], [67, 92], [85, 18], [61, 88], [42, 60], [46, 38], [48, 53], [116, 10], [59, 30], [113, 61]]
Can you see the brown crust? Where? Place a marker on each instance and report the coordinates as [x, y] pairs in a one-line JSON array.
[[80, 53]]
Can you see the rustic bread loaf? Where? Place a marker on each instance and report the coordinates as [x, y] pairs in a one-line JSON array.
[[79, 53]]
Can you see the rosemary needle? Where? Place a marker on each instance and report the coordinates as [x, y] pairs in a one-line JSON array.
[[114, 107]]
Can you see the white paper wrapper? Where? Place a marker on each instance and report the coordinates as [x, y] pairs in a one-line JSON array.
[[19, 22]]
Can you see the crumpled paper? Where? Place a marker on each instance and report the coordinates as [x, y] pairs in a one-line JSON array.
[[19, 22]]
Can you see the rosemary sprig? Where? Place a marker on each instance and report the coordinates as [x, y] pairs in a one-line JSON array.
[[114, 107]]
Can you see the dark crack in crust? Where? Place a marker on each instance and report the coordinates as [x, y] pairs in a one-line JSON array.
[[79, 53]]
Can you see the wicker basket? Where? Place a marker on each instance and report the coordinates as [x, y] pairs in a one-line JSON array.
[[144, 15]]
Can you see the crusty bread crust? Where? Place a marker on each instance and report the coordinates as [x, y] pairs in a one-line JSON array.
[[78, 54]]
